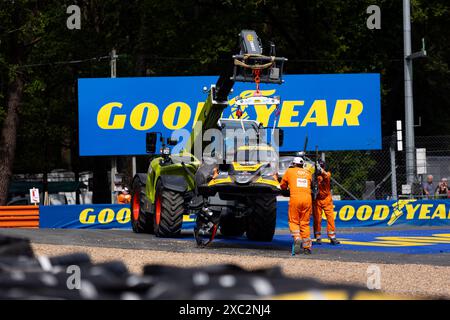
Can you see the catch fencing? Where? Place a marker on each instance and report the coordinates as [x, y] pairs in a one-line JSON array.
[[370, 175]]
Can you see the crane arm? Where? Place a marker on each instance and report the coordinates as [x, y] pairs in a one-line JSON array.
[[242, 69], [211, 111]]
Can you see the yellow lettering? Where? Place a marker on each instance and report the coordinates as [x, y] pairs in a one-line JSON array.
[[263, 113], [340, 113], [287, 112], [137, 116], [364, 212], [439, 212], [381, 212], [424, 211], [123, 216], [170, 112], [104, 117], [346, 213], [106, 216], [85, 218], [319, 109], [411, 211]]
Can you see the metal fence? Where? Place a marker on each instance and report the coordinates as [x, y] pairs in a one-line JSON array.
[[371, 174]]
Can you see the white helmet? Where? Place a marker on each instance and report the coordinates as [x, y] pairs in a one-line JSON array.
[[298, 160]]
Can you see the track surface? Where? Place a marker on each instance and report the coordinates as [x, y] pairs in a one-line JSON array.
[[400, 246]]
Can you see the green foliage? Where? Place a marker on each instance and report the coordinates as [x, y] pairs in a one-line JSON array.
[[192, 37], [350, 169]]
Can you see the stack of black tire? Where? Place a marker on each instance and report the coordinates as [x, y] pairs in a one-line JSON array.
[[25, 276]]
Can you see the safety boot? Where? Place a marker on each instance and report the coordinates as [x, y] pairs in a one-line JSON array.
[[307, 251], [334, 241], [296, 246]]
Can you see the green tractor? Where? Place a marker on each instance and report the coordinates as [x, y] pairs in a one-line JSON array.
[[179, 184], [159, 197]]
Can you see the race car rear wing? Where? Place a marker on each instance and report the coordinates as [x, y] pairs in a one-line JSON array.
[[251, 65]]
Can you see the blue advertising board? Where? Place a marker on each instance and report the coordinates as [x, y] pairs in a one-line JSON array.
[[381, 213], [348, 214], [94, 216], [335, 111]]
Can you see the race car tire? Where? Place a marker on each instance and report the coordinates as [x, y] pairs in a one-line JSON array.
[[230, 226], [169, 210], [262, 221], [141, 219]]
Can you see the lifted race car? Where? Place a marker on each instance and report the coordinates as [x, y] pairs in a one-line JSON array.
[[240, 195]]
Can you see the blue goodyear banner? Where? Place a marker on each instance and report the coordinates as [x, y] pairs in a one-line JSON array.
[[347, 214], [377, 213], [115, 114], [98, 216], [94, 216]]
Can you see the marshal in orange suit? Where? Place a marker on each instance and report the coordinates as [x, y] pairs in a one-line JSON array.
[[298, 180], [324, 203]]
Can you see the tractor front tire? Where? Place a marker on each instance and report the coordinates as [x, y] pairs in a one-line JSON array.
[[141, 219], [262, 221], [169, 210]]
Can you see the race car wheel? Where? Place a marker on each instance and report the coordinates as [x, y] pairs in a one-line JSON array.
[[169, 209], [261, 222], [230, 226], [141, 220]]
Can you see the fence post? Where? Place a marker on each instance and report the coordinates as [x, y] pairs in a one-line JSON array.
[[393, 173], [113, 159], [392, 146]]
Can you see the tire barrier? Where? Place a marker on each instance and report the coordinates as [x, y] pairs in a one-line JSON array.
[[19, 217], [75, 276], [10, 246]]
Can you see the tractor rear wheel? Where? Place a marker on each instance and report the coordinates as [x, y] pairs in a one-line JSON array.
[[141, 219], [169, 210], [262, 221]]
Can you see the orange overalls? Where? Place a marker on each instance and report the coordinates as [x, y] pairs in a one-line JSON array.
[[324, 202], [300, 204], [123, 198]]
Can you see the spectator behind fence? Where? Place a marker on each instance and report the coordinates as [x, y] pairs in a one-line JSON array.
[[441, 191], [428, 187]]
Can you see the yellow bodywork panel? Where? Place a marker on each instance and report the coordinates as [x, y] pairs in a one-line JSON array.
[[243, 167], [218, 181], [268, 181]]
